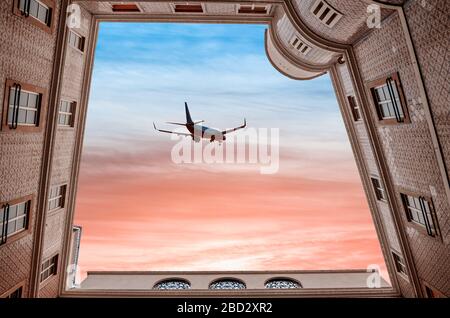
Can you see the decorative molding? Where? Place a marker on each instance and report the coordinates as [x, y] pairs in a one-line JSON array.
[[266, 40], [76, 158], [261, 293], [294, 60], [48, 150], [308, 33]]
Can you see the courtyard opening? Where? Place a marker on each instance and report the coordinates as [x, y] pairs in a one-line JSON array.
[[141, 210]]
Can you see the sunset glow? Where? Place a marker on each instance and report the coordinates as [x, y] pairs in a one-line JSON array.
[[141, 211]]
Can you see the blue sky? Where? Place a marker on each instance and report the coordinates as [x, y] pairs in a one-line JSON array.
[[213, 67], [144, 72]]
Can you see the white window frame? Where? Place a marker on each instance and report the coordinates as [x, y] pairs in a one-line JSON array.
[[388, 101], [400, 264], [39, 5], [421, 209], [61, 195], [50, 270], [80, 41], [5, 224], [71, 114], [12, 92]]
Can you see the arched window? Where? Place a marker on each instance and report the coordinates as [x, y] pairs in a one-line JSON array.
[[227, 283], [282, 283], [172, 283]]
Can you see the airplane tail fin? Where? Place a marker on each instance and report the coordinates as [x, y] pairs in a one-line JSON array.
[[188, 115]]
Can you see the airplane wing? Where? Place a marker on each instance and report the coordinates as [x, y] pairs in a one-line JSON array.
[[234, 129], [172, 132]]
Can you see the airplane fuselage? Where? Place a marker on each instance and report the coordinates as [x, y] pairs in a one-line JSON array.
[[200, 131]]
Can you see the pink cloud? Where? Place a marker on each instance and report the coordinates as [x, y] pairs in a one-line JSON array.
[[141, 212]]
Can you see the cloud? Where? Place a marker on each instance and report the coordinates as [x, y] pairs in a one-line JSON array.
[[140, 219], [140, 211], [153, 79]]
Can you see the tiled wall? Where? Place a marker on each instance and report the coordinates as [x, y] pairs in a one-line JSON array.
[[64, 150], [363, 140], [408, 147], [26, 55], [432, 47]]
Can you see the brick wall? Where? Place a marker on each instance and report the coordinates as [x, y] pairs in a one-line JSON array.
[[26, 55], [63, 153]]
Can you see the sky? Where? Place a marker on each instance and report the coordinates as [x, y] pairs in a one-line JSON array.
[[140, 210]]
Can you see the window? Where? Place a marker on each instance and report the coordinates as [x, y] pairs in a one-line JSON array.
[[172, 284], [188, 8], [74, 255], [40, 11], [126, 7], [76, 41], [16, 294], [49, 268], [227, 284], [252, 9], [282, 283], [354, 108], [379, 189], [399, 262], [431, 292], [22, 107], [418, 211], [389, 100], [56, 197], [325, 13], [300, 46], [14, 218], [66, 115]]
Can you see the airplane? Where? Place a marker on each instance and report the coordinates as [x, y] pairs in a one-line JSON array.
[[197, 132]]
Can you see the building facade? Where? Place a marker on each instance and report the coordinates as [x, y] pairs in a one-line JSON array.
[[389, 62]]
